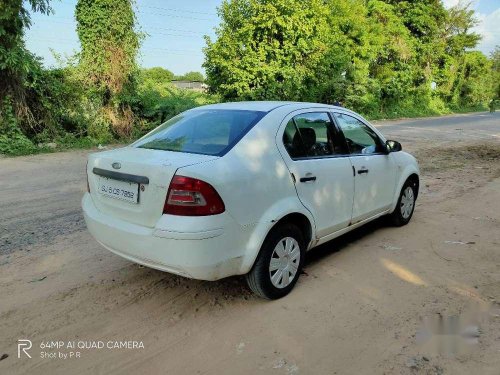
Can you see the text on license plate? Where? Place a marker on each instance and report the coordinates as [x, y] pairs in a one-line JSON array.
[[127, 191]]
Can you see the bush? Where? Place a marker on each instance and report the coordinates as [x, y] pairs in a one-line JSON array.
[[12, 139], [157, 101]]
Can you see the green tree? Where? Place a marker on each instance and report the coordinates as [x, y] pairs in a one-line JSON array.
[[468, 68], [459, 24], [156, 74], [476, 86], [382, 58], [266, 49], [109, 43], [191, 76], [15, 61], [392, 68], [342, 73], [109, 46], [495, 66]]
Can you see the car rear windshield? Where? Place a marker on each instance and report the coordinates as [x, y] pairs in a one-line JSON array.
[[209, 132]]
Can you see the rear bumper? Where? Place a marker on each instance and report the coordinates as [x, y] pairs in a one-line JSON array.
[[205, 254]]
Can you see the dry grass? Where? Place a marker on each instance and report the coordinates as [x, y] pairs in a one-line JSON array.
[[439, 158], [122, 120]]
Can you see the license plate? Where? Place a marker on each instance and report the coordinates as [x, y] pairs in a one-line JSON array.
[[126, 191]]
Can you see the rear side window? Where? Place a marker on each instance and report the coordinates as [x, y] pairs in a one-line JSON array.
[[209, 132], [310, 135]]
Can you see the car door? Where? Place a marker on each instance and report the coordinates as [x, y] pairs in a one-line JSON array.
[[374, 168], [316, 157]]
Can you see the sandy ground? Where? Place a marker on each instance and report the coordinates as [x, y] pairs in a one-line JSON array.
[[359, 307]]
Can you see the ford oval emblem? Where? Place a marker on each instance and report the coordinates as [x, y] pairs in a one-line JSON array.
[[116, 165]]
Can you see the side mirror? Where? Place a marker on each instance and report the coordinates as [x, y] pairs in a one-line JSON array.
[[393, 146]]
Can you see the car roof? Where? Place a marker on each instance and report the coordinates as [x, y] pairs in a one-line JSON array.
[[264, 106]]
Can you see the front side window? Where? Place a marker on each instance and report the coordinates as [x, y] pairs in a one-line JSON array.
[[359, 137], [209, 132], [309, 135]]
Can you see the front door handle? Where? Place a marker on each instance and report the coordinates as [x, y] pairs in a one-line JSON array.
[[361, 171], [309, 178]]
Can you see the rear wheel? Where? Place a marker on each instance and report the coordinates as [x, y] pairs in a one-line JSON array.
[[406, 204], [279, 262]]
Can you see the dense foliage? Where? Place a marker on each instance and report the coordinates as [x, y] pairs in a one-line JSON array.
[[158, 100], [21, 104], [191, 76], [15, 60], [382, 58], [495, 61], [109, 45]]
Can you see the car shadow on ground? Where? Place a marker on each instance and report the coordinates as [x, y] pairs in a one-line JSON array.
[[319, 253], [234, 288]]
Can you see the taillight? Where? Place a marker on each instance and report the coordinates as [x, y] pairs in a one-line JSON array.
[[192, 197]]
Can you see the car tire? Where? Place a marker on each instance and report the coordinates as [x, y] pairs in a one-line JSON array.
[[406, 204], [283, 251]]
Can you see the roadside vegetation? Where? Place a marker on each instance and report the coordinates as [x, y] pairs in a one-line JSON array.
[[384, 59]]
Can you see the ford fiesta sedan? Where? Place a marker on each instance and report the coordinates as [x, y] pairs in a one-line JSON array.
[[246, 189]]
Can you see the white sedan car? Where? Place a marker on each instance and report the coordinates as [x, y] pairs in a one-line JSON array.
[[246, 189]]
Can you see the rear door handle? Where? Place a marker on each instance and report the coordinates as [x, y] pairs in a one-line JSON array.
[[361, 171], [306, 179]]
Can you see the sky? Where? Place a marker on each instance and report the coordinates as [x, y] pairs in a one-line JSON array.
[[175, 29]]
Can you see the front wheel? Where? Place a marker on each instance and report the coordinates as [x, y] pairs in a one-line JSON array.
[[406, 204], [279, 263]]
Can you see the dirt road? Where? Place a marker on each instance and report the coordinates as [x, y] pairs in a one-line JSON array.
[[358, 308]]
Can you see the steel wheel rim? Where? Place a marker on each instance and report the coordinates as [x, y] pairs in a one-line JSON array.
[[407, 202], [284, 263]]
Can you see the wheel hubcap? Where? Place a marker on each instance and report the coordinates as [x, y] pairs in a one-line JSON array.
[[284, 262], [407, 202]]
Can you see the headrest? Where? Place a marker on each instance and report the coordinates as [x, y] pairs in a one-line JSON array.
[[308, 137]]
